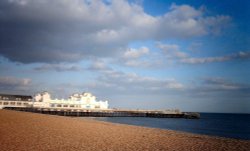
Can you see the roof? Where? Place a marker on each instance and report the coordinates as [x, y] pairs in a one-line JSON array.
[[14, 97]]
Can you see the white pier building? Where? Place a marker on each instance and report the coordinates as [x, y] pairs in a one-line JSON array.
[[43, 100]]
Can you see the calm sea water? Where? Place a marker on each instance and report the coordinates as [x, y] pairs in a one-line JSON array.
[[216, 124]]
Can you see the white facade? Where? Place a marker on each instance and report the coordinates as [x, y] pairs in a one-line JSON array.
[[82, 101]]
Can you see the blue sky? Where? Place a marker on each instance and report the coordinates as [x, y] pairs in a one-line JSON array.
[[192, 55]]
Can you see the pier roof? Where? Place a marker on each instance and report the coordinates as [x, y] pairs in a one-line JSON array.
[[16, 97]]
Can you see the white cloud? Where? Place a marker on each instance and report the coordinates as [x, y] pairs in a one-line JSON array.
[[174, 54], [238, 55], [136, 63], [15, 85], [109, 78], [11, 81], [183, 21], [243, 55], [71, 30], [218, 83], [142, 57], [99, 65], [172, 51], [215, 23], [58, 67], [136, 53]]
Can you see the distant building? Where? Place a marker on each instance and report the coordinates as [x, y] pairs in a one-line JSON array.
[[43, 100], [7, 100]]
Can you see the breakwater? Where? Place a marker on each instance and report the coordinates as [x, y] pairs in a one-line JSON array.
[[107, 113]]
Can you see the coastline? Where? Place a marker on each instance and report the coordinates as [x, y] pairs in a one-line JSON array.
[[31, 131]]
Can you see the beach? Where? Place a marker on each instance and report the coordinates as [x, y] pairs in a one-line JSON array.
[[32, 131]]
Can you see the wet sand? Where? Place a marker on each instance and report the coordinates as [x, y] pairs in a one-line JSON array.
[[35, 132]]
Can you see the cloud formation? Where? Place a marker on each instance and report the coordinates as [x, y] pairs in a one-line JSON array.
[[173, 53], [128, 82], [234, 56], [141, 57], [68, 30], [11, 81], [58, 67], [217, 83], [12, 84], [136, 53]]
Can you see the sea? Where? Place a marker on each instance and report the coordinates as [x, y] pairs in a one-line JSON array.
[[216, 124]]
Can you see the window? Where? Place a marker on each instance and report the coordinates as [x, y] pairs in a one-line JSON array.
[[0, 103], [19, 103], [65, 105], [71, 106], [12, 103], [59, 105], [52, 105], [25, 103], [5, 103]]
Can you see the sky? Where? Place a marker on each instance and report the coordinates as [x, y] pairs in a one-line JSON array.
[[138, 54]]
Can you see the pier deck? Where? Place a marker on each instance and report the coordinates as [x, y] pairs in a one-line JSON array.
[[106, 113]]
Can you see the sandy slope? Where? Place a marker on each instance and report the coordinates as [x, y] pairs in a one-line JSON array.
[[31, 131]]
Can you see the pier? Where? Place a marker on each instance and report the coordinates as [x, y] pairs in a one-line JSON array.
[[107, 113], [80, 105]]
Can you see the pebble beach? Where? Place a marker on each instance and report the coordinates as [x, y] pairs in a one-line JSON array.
[[23, 131]]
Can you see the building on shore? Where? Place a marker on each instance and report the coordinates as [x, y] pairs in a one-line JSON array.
[[43, 100], [7, 100]]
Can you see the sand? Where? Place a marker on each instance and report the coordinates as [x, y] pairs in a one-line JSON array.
[[34, 132]]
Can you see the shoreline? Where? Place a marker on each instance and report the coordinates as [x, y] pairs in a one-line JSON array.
[[29, 131]]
